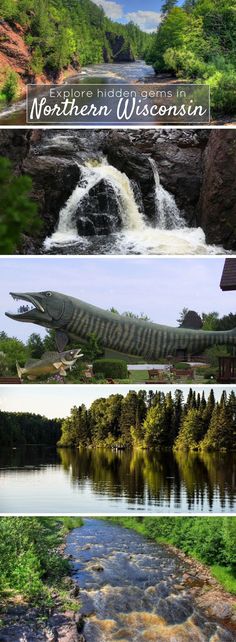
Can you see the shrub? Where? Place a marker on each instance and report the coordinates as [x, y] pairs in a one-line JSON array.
[[10, 88], [223, 95], [114, 368], [185, 63], [17, 210], [181, 365], [208, 374]]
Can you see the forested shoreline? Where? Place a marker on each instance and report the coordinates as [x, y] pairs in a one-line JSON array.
[[25, 428], [197, 42], [154, 420], [147, 420]]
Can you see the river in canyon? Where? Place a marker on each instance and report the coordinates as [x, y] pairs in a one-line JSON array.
[[106, 192], [133, 589], [46, 480], [104, 73]]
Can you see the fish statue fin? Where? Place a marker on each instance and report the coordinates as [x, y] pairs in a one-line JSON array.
[[61, 340], [57, 365], [20, 371], [62, 372]]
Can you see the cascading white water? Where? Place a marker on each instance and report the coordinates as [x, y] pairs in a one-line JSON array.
[[170, 234], [91, 174], [168, 215]]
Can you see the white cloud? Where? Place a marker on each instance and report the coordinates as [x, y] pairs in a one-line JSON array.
[[113, 10], [146, 20]]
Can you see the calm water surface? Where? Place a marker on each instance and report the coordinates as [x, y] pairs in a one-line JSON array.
[[103, 481], [134, 589]]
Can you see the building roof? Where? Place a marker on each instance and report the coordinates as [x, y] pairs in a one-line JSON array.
[[228, 279]]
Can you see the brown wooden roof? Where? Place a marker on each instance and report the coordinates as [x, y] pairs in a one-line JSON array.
[[228, 279]]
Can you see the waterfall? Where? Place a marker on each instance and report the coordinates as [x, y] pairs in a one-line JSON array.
[[135, 235], [91, 174], [168, 216]]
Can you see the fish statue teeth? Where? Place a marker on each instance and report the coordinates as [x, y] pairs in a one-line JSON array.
[[49, 363], [73, 319]]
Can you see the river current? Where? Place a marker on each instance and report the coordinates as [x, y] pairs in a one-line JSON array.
[[132, 589], [101, 74]]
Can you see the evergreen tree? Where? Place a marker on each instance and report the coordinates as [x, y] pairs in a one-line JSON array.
[[129, 417], [155, 428], [220, 434], [167, 6], [191, 431]]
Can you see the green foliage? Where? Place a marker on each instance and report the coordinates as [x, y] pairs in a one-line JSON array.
[[37, 62], [191, 431], [27, 554], [197, 42], [30, 561], [21, 428], [212, 540], [10, 87], [154, 421], [76, 32], [11, 350], [210, 321], [35, 346], [114, 368], [17, 211], [181, 365]]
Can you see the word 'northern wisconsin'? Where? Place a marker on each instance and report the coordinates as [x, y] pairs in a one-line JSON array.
[[119, 104]]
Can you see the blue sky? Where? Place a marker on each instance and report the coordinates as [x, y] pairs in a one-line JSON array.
[[46, 400], [158, 287], [146, 14]]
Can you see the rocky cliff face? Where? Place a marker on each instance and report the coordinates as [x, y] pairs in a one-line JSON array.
[[14, 53], [118, 49], [178, 155], [217, 203]]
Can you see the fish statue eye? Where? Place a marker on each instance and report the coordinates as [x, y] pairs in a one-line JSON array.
[[48, 293]]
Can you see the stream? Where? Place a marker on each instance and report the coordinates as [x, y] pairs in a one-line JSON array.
[[132, 589], [104, 73]]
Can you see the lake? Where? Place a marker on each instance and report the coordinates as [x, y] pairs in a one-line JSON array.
[[45, 480]]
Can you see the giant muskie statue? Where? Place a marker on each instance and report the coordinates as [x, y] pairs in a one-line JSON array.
[[74, 319]]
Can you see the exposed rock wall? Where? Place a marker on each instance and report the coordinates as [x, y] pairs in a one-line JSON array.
[[14, 53], [118, 49], [178, 155]]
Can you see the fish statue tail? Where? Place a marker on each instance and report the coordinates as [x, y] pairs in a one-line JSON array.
[[19, 370]]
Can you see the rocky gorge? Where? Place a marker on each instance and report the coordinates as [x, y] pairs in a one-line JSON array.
[[134, 191]]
